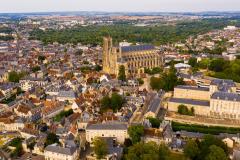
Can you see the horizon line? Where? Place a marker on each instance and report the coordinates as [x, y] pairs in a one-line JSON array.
[[35, 12]]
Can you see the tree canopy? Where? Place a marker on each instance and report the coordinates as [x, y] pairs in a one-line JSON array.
[[135, 133], [15, 76], [121, 73], [51, 139], [145, 151], [100, 147], [210, 148], [114, 102], [154, 122], [182, 109], [158, 34], [216, 153], [167, 81]]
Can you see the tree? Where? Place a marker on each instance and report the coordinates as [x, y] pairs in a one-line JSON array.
[[167, 81], [36, 68], [155, 83], [216, 153], [51, 139], [140, 81], [208, 141], [17, 143], [135, 133], [121, 73], [105, 102], [191, 149], [97, 68], [218, 65], [192, 62], [13, 76], [116, 101], [182, 109], [154, 122], [145, 151], [100, 147], [41, 58], [163, 152]]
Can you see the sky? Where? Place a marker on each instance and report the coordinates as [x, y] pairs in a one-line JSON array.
[[14, 6]]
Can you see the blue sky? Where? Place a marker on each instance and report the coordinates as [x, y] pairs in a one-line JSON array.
[[119, 5]]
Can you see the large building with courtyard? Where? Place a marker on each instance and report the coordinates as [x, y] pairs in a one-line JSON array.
[[133, 58], [219, 100]]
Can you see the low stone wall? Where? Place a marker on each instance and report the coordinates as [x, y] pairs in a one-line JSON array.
[[202, 120]]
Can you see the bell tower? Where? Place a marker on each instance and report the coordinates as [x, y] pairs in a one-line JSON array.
[[107, 51]]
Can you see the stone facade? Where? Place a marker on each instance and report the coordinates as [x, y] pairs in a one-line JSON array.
[[117, 131], [133, 58], [220, 100]]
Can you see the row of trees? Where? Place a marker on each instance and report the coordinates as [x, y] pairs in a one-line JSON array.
[[182, 109], [215, 130], [161, 34], [210, 148]]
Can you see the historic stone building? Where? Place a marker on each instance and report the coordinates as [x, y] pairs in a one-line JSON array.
[[219, 100], [133, 58]]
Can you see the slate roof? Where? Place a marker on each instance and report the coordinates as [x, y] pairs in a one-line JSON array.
[[70, 94], [192, 88], [137, 48], [190, 101], [154, 105], [226, 96], [107, 126], [61, 150], [223, 84], [221, 81]]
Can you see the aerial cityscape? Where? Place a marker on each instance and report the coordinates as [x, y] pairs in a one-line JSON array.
[[111, 80]]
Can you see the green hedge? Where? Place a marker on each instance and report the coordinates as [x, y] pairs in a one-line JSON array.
[[204, 129]]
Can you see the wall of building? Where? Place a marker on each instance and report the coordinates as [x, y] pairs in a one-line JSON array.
[[191, 94], [199, 110], [57, 156], [120, 135], [225, 109]]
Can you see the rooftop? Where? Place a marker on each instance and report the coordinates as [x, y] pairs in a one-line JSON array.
[[61, 150], [226, 96], [154, 105], [190, 101], [107, 126], [192, 88], [223, 84], [137, 48]]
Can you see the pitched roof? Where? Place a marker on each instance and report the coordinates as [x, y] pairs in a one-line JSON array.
[[226, 96], [190, 101], [107, 126], [137, 48], [61, 150], [192, 87], [154, 105]]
